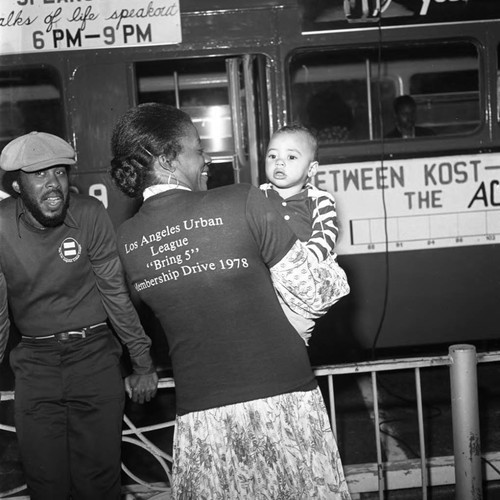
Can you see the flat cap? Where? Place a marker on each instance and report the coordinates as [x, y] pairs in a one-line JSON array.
[[36, 151]]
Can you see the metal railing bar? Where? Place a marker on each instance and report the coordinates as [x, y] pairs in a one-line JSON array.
[[397, 364], [149, 428], [6, 395], [158, 458], [333, 417], [166, 383], [382, 365], [147, 443], [488, 357], [384, 475], [376, 415], [421, 434]]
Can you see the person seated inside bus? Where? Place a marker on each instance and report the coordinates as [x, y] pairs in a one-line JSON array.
[[291, 161], [329, 117], [405, 116]]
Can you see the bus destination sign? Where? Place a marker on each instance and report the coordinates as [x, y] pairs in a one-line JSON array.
[[55, 25]]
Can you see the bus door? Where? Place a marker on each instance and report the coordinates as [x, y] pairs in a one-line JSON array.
[[226, 98]]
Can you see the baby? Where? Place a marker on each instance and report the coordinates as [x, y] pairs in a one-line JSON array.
[[291, 161]]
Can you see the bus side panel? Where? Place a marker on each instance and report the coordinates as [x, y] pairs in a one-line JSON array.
[[253, 27], [440, 296]]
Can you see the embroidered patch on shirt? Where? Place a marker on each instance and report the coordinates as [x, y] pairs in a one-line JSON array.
[[70, 250]]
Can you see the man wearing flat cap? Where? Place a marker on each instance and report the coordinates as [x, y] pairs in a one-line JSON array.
[[62, 281]]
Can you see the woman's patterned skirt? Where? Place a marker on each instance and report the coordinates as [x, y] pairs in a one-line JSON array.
[[280, 447]]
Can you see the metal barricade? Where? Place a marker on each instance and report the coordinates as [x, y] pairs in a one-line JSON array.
[[462, 469]]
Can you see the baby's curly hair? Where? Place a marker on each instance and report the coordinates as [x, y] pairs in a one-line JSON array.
[[297, 127], [140, 135]]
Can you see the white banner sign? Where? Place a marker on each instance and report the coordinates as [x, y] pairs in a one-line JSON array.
[[53, 25], [415, 204]]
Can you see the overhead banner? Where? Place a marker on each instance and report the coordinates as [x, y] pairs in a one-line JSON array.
[[415, 204], [55, 25]]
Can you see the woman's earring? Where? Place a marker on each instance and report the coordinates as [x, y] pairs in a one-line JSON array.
[[176, 180]]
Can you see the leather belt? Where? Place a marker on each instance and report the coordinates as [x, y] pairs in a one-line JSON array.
[[62, 336]]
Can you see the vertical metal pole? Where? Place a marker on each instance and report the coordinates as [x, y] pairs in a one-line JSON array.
[[233, 74], [176, 90], [421, 434], [369, 96], [380, 465], [465, 418], [253, 153]]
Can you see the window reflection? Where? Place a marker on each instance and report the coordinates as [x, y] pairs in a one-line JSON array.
[[349, 95], [30, 99]]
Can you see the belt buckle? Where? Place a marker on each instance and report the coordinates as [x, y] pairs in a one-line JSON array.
[[62, 336]]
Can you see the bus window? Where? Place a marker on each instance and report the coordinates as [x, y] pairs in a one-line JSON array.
[[447, 101], [30, 99], [498, 83], [221, 172], [200, 88], [226, 98], [329, 93], [348, 95]]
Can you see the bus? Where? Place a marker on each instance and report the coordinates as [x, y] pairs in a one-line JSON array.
[[419, 217]]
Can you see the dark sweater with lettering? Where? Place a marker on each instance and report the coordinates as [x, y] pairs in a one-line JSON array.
[[201, 260]]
